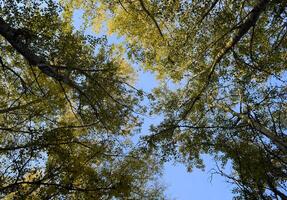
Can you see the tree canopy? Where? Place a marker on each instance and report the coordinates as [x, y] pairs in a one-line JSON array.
[[67, 112], [230, 58], [69, 103]]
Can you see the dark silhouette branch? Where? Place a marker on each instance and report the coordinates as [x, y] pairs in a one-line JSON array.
[[242, 29], [12, 36], [151, 16]]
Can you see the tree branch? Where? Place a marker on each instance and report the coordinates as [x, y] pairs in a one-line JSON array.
[[259, 127], [242, 29], [152, 17], [12, 36]]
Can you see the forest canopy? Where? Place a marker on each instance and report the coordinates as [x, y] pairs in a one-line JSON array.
[[69, 106], [67, 112]]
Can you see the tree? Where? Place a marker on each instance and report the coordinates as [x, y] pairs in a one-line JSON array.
[[67, 111], [230, 57]]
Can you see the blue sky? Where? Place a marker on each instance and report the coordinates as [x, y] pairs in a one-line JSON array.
[[181, 185]]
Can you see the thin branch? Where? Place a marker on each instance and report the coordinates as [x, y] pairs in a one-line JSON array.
[[151, 16], [10, 109], [24, 84]]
